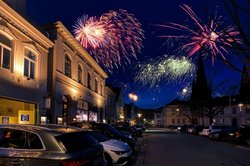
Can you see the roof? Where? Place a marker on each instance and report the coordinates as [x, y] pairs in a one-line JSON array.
[[17, 21], [177, 102], [72, 40]]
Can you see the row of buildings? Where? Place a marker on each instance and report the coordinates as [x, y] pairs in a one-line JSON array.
[[47, 76], [204, 109], [178, 113]]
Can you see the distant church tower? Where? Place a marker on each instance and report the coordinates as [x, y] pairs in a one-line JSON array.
[[201, 90]]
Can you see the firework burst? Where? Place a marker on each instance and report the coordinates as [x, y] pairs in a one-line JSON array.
[[114, 38], [167, 70], [90, 32], [213, 38]]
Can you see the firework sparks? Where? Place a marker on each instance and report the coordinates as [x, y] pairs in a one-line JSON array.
[[211, 37], [168, 70], [114, 38], [90, 32]]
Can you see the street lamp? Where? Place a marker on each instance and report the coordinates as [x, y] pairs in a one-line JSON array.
[[240, 105], [139, 116]]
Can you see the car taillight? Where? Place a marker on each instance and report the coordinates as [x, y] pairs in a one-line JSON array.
[[237, 134], [76, 162]]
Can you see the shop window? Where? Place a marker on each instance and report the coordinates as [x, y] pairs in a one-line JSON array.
[[5, 52], [29, 64], [67, 66], [17, 112]]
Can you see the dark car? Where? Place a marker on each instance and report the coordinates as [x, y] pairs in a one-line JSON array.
[[242, 135], [223, 135], [127, 131], [107, 130], [40, 146]]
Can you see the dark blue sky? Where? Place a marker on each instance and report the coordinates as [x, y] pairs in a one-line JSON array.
[[149, 13]]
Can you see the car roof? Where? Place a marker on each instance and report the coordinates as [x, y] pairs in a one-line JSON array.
[[55, 130]]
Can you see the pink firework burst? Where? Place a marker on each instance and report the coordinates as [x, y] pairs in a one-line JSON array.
[[90, 32], [114, 38], [211, 37]]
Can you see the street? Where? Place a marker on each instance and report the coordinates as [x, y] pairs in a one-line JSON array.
[[171, 148]]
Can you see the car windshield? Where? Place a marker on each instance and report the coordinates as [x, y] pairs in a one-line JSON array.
[[98, 136], [75, 141], [114, 131]]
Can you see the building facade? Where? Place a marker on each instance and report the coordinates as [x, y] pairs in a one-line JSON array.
[[110, 111], [23, 69], [176, 113], [76, 83], [234, 115]]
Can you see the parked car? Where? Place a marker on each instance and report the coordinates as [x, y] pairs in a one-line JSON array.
[[212, 128], [127, 130], [139, 131], [223, 135], [107, 130], [242, 135], [41, 145], [115, 151], [184, 128]]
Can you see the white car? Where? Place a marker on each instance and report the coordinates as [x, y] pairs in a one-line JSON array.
[[207, 130], [115, 151]]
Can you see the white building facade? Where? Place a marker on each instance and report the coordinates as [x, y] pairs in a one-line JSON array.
[[76, 82], [23, 69]]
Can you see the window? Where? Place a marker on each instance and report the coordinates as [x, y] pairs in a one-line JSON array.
[[67, 67], [222, 112], [234, 110], [173, 121], [5, 50], [34, 141], [15, 139], [29, 64], [101, 88], [89, 81], [79, 74], [247, 110], [96, 86]]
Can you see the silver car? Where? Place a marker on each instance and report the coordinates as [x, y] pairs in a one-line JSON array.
[[28, 145]]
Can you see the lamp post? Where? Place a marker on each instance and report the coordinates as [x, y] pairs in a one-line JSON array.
[[133, 97], [139, 116], [240, 105]]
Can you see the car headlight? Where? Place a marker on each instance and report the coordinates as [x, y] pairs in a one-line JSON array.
[[119, 152]]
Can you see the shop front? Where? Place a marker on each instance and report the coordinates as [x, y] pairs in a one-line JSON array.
[[17, 112]]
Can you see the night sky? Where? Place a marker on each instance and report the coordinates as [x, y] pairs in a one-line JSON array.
[[149, 13]]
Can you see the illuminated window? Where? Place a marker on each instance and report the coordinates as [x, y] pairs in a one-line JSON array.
[[67, 67], [79, 74], [5, 50], [96, 85], [29, 64]]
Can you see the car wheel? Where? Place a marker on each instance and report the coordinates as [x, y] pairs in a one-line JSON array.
[[108, 159]]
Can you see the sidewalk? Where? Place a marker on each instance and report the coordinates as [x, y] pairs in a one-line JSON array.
[[140, 150]]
